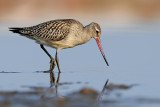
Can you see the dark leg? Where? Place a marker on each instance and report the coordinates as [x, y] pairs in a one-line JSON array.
[[57, 61], [58, 78], [57, 83], [52, 79], [52, 62]]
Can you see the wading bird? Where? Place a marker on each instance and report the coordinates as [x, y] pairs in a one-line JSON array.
[[61, 34]]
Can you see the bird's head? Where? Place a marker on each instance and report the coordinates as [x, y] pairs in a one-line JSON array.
[[96, 30], [96, 34]]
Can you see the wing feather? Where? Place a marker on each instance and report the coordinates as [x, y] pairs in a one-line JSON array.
[[54, 30]]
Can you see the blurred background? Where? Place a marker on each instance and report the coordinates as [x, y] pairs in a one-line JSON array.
[[104, 11]]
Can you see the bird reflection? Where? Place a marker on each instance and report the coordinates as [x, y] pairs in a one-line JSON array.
[[53, 82], [52, 79], [99, 98]]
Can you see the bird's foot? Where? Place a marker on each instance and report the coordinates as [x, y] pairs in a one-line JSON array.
[[52, 61], [48, 71]]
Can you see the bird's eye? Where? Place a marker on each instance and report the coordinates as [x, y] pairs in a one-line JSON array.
[[97, 31]]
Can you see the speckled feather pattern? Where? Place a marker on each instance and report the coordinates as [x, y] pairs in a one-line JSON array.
[[55, 30]]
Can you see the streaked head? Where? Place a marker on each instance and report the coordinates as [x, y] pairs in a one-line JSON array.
[[96, 30], [96, 34]]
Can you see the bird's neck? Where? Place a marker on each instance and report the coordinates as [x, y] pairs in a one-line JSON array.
[[83, 36], [87, 32]]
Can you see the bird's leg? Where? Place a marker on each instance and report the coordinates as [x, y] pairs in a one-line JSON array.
[[52, 62], [57, 61], [52, 79], [57, 83]]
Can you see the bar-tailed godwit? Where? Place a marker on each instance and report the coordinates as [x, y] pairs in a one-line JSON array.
[[61, 34]]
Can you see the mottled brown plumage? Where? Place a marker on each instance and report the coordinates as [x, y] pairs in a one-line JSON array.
[[61, 34], [54, 30]]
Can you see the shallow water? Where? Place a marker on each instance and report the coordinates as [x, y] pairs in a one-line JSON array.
[[132, 52]]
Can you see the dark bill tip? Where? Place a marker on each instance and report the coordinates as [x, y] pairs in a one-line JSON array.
[[105, 60], [100, 48]]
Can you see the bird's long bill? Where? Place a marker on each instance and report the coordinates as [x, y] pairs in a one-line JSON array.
[[100, 48]]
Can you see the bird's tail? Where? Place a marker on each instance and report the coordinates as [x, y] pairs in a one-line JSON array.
[[16, 30], [22, 31]]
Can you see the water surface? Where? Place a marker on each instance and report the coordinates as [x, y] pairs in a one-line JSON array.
[[132, 52]]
